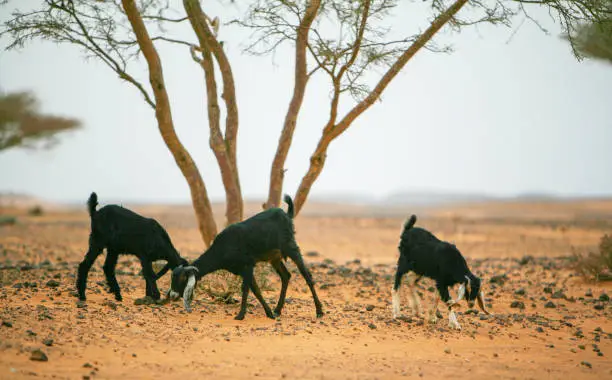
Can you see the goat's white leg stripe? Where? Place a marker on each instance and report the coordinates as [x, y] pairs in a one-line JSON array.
[[410, 299], [460, 293], [415, 300], [452, 321], [396, 302], [433, 318]]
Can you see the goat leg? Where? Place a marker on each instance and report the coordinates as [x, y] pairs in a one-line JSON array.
[[92, 254], [109, 271], [149, 275], [299, 262], [285, 276], [262, 301], [247, 278]]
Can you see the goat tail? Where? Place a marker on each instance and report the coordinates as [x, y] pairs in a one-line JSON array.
[[410, 222], [290, 208], [92, 202]]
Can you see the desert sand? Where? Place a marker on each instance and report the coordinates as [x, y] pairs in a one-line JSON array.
[[547, 321]]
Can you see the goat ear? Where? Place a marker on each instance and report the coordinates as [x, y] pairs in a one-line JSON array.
[[188, 293], [468, 285]]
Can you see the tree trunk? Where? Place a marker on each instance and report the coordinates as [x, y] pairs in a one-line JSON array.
[[224, 148], [199, 195], [277, 172], [317, 160]]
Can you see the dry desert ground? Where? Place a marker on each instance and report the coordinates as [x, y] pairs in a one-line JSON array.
[[547, 322]]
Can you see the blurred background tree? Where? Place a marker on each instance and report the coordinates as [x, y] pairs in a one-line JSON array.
[[22, 124], [594, 39]]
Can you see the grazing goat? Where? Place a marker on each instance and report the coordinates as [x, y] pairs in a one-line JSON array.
[[422, 254], [122, 231], [267, 236]]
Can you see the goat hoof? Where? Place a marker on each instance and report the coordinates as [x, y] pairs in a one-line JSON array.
[[271, 315], [319, 314], [277, 313], [118, 297], [239, 317], [433, 320]]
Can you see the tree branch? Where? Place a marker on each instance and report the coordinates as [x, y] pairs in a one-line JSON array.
[[317, 160], [277, 171]]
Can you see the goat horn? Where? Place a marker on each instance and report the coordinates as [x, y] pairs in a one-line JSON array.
[[469, 284], [481, 303]]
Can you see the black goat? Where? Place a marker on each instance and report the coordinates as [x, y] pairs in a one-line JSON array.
[[122, 231], [267, 236], [422, 254]]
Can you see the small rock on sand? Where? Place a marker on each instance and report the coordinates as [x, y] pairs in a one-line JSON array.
[[39, 356], [586, 364]]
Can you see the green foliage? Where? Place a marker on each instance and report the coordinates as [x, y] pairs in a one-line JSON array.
[[7, 220], [21, 124], [8, 276], [596, 265], [594, 39]]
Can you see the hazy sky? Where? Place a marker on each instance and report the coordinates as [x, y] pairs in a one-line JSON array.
[[492, 117]]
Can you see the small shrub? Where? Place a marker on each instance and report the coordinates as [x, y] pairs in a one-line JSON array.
[[223, 286], [7, 220], [36, 211], [8, 276], [158, 265], [596, 265]]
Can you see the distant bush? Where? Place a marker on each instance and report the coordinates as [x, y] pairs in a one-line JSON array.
[[8, 276], [36, 211], [7, 220], [596, 265]]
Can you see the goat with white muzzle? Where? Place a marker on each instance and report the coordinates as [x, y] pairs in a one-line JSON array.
[[267, 236], [422, 254]]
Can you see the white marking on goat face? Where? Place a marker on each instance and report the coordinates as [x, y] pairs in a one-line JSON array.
[[452, 321], [396, 302], [173, 295], [188, 293]]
